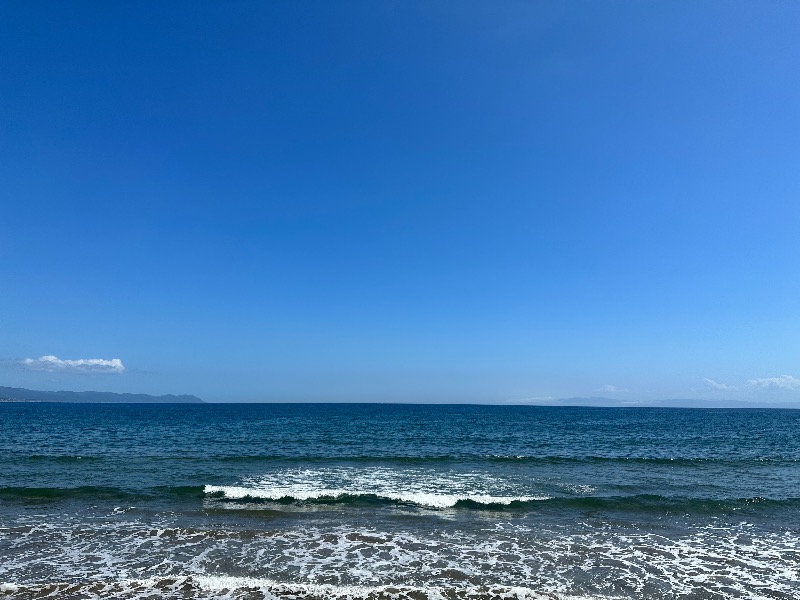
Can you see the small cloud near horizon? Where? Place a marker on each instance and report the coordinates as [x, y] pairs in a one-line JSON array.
[[717, 385], [86, 366], [784, 382], [610, 389]]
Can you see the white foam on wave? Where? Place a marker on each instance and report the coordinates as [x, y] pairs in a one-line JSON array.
[[422, 487], [428, 500]]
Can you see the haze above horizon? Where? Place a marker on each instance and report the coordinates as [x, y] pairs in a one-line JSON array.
[[401, 201]]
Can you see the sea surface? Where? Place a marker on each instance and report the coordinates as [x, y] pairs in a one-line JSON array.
[[401, 502]]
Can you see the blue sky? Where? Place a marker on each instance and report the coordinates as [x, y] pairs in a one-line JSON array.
[[401, 200]]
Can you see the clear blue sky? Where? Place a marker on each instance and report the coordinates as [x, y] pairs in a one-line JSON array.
[[401, 200]]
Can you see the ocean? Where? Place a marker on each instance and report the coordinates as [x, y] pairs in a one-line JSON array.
[[401, 502]]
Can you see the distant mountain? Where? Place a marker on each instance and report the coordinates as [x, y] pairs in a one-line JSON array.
[[672, 403], [9, 394]]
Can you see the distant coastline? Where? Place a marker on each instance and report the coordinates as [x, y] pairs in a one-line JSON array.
[[670, 403], [10, 394]]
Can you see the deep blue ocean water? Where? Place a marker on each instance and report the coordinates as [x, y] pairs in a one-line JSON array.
[[397, 501]]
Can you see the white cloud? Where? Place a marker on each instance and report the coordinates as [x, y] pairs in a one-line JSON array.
[[81, 365], [610, 389], [784, 382], [718, 386]]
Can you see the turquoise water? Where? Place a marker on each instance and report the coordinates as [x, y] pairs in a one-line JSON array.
[[397, 501]]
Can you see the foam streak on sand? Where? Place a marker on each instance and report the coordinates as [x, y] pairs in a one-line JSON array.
[[274, 589], [207, 586]]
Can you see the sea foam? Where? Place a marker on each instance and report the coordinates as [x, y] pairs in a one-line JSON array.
[[421, 487]]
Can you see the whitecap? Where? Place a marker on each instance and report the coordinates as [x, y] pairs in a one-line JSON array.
[[421, 487]]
